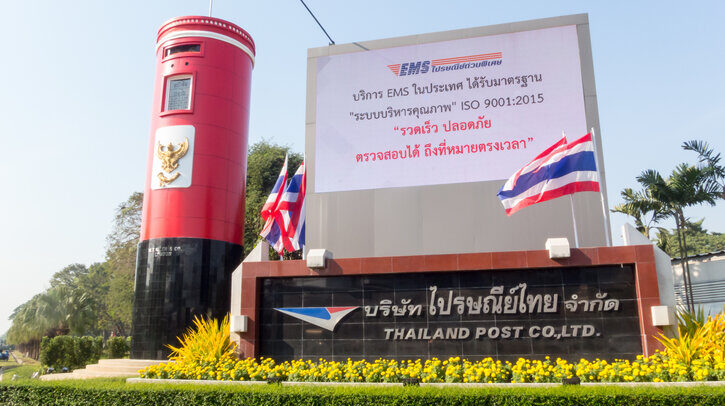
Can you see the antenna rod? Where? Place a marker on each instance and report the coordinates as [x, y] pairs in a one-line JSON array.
[[318, 22], [210, 4]]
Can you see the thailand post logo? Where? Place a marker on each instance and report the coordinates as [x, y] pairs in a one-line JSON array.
[[446, 64], [325, 317]]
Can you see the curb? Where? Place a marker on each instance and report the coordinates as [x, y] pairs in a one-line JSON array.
[[432, 385], [192, 382], [284, 383]]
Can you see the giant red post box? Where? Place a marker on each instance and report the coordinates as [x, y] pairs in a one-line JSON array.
[[193, 210]]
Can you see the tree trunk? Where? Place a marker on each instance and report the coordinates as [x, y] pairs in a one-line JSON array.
[[36, 350], [687, 263], [685, 275], [120, 329]]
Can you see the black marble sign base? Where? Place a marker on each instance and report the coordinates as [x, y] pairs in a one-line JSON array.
[[177, 279], [575, 312]]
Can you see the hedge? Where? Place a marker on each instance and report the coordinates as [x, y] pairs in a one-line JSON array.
[[76, 352], [117, 347], [70, 352], [116, 392]]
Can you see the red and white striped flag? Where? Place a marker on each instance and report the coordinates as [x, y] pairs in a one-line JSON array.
[[292, 207], [562, 169], [274, 230]]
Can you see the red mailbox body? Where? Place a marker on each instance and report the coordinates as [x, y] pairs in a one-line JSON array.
[[193, 211]]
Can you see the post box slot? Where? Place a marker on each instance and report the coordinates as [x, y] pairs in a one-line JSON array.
[[183, 48]]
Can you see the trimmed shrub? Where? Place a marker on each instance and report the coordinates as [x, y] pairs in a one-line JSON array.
[[117, 347], [87, 351], [58, 352], [100, 392], [70, 352]]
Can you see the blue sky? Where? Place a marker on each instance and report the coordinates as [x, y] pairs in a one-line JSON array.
[[77, 80]]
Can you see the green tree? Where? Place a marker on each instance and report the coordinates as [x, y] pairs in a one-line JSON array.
[[95, 285], [86, 300], [639, 205], [59, 310], [68, 310], [100, 297], [120, 266], [25, 331], [119, 304], [264, 162], [699, 240], [123, 240], [69, 276], [687, 186], [709, 162]]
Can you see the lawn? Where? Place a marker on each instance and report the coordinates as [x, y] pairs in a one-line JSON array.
[[9, 363], [23, 371]]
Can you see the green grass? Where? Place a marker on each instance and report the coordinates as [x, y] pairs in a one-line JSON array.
[[9, 363], [21, 358], [23, 372]]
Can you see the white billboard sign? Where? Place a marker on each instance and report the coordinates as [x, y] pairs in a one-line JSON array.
[[467, 110]]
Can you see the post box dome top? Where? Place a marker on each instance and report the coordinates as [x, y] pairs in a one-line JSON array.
[[189, 26]]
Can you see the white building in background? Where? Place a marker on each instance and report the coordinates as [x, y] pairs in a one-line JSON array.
[[707, 272]]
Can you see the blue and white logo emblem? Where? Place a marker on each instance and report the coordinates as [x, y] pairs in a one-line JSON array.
[[325, 317]]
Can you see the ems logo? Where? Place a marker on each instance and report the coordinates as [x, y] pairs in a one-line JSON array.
[[325, 317], [446, 64]]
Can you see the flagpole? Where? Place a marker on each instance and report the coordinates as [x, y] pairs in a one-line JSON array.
[[607, 231], [304, 160], [573, 215], [283, 231]]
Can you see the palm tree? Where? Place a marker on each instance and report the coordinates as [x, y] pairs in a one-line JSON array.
[[709, 161], [663, 240], [59, 310], [80, 313], [687, 186], [639, 205], [26, 331]]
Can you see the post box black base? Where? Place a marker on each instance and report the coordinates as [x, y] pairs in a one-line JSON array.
[[177, 279]]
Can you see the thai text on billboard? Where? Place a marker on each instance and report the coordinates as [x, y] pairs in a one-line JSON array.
[[467, 110]]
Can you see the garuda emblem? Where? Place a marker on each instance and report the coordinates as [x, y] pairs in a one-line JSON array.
[[169, 156]]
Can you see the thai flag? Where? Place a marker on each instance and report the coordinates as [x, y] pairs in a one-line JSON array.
[[292, 207], [274, 234], [273, 230], [562, 169]]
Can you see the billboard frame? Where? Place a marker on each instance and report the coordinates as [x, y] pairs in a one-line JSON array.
[[446, 219]]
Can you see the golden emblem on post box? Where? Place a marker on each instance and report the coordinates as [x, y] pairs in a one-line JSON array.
[[170, 156]]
